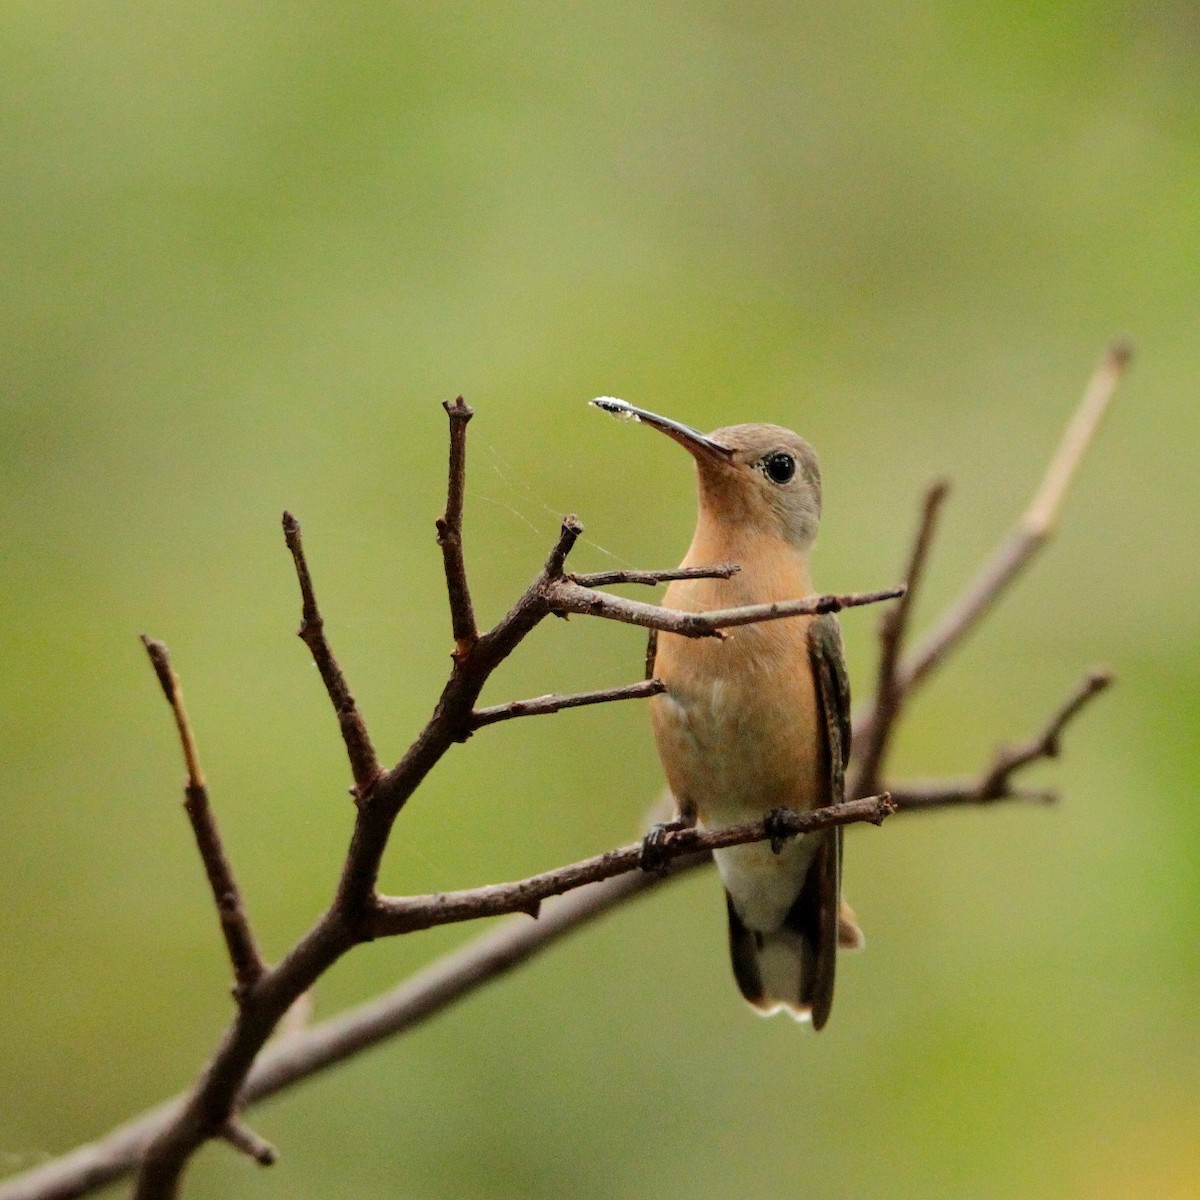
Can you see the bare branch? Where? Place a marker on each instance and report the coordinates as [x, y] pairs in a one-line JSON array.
[[405, 914], [160, 660], [245, 1067], [1047, 743], [364, 764], [1034, 528], [241, 1137], [450, 723], [893, 627], [449, 531], [917, 795], [248, 965], [555, 703], [996, 782], [567, 597], [304, 1053], [650, 578], [568, 535], [307, 1052]]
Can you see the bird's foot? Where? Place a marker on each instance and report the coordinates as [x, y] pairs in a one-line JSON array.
[[654, 844], [779, 826]]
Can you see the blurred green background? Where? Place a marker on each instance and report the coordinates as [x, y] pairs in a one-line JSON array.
[[247, 249]]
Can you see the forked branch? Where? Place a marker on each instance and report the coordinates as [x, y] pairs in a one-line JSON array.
[[893, 629], [873, 722], [571, 598], [1035, 527], [449, 531], [245, 1069], [996, 783], [407, 914], [364, 765], [247, 962]]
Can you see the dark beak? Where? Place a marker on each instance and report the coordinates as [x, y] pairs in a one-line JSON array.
[[690, 439]]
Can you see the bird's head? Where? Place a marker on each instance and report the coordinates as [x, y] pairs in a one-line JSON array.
[[761, 477]]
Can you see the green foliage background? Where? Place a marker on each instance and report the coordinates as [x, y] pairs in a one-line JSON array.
[[248, 248]]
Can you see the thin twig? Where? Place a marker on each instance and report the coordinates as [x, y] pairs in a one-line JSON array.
[[364, 765], [567, 597], [569, 533], [650, 578], [893, 628], [553, 703], [449, 531], [919, 795], [160, 660], [244, 956], [242, 1070], [241, 1137], [288, 1061], [996, 782], [1047, 743], [405, 914], [1035, 527], [311, 1050]]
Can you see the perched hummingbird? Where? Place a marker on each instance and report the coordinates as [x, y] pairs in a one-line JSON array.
[[760, 721]]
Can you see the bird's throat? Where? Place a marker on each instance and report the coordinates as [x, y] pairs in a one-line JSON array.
[[770, 568]]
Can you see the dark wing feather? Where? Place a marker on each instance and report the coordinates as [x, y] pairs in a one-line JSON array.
[[833, 687], [821, 897], [651, 653]]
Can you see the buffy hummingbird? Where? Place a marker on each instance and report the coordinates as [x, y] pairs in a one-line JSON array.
[[758, 721]]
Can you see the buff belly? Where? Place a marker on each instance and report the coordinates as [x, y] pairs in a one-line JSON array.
[[736, 732]]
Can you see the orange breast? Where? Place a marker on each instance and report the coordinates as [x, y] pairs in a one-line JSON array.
[[737, 729]]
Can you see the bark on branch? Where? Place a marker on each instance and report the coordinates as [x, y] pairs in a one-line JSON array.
[[244, 1068], [996, 783], [907, 671], [247, 962]]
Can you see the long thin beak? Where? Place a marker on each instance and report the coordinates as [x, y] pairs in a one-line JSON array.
[[690, 439]]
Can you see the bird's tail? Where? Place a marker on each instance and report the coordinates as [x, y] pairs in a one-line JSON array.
[[791, 969], [769, 967]]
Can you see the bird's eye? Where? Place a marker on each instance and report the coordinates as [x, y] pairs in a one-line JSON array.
[[780, 467]]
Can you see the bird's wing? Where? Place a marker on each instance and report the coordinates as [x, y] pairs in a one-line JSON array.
[[824, 883], [833, 684]]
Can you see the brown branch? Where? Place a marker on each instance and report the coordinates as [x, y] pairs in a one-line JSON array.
[[918, 795], [1046, 744], [292, 1059], [449, 531], [567, 597], [556, 563], [241, 1137], [406, 914], [996, 782], [313, 1049], [1035, 527], [1031, 532], [248, 965], [244, 1068], [893, 628], [347, 922], [555, 703], [364, 764], [650, 578], [310, 1050]]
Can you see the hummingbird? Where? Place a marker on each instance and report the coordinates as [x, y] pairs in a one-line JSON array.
[[758, 722]]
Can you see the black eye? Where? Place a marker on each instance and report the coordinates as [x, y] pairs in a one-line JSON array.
[[780, 467]]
